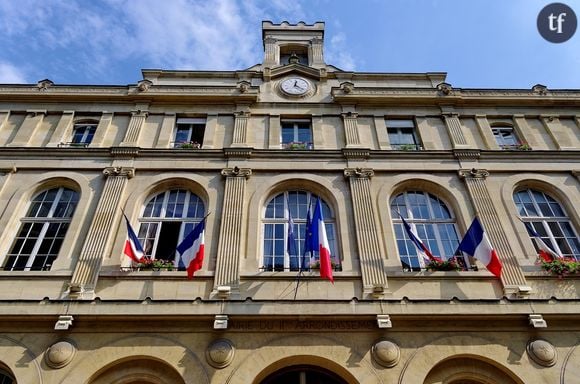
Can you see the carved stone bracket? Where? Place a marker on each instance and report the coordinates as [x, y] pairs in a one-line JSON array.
[[244, 86], [128, 172], [359, 172], [144, 85], [356, 153], [43, 85], [467, 154], [236, 172], [475, 173], [347, 87], [124, 151], [445, 89], [540, 89]]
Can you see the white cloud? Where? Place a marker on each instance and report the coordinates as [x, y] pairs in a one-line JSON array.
[[337, 53], [10, 74]]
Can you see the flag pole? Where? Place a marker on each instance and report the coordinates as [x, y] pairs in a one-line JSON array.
[[299, 274]]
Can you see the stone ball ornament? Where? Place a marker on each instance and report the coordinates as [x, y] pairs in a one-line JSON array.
[[220, 353], [386, 353], [60, 354], [542, 352]]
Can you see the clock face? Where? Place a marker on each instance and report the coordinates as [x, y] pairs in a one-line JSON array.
[[295, 86]]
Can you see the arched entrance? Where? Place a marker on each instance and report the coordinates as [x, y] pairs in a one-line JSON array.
[[469, 370], [138, 371], [303, 374]]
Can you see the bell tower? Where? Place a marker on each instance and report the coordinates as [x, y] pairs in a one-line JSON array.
[[287, 43]]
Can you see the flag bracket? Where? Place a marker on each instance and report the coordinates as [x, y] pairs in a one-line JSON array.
[[378, 291], [537, 321], [384, 321]]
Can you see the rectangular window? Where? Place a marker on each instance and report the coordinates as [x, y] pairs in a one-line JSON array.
[[403, 134], [296, 134], [505, 137], [83, 134], [189, 133]]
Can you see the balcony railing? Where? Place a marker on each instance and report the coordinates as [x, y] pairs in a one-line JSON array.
[[72, 145], [186, 145], [298, 145], [406, 147]]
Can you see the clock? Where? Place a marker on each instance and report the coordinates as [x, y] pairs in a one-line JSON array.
[[295, 86]]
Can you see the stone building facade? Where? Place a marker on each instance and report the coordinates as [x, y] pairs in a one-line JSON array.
[[252, 147]]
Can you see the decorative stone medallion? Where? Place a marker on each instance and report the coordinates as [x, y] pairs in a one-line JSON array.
[[220, 353], [386, 353], [542, 352], [60, 354]]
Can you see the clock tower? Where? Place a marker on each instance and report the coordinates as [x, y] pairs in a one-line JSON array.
[[287, 43]]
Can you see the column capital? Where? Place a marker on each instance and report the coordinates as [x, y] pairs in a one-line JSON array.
[[236, 172], [360, 173], [349, 115], [473, 173], [139, 112], [242, 113], [127, 172]]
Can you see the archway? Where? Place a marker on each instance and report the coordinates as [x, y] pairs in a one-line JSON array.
[[303, 374], [138, 371], [468, 370]]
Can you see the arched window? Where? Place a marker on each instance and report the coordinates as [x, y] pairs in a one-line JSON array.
[[42, 231], [83, 133], [297, 204], [433, 222], [5, 377], [167, 218], [549, 220]]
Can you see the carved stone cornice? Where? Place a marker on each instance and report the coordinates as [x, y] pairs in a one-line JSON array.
[[467, 154], [127, 172], [473, 173], [144, 85], [359, 172], [239, 152], [236, 172], [124, 151], [356, 153]]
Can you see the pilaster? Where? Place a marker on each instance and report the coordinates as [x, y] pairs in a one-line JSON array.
[[134, 130], [26, 131], [4, 116], [97, 241], [523, 131], [102, 129], [270, 52], [456, 135], [5, 174], [351, 129], [240, 128], [211, 128], [274, 132], [486, 132], [63, 129], [317, 52], [371, 262], [512, 276], [166, 135], [317, 134], [230, 250], [558, 133]]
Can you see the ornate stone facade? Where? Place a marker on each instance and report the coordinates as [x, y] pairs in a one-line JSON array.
[[180, 145]]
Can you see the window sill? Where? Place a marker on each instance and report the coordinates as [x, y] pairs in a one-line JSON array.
[[294, 274], [35, 274], [150, 273]]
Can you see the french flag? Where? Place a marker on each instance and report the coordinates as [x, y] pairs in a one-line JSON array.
[[133, 248], [475, 243], [319, 238], [418, 243], [545, 252], [191, 249]]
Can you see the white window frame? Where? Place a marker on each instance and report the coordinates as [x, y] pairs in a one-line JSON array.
[[500, 138], [46, 221], [296, 129], [192, 124], [432, 220]]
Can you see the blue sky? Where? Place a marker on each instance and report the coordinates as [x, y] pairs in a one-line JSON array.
[[479, 43]]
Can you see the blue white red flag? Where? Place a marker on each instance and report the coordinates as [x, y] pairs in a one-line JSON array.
[[191, 249], [291, 243], [320, 239], [308, 246], [133, 248], [476, 243], [545, 252], [418, 243]]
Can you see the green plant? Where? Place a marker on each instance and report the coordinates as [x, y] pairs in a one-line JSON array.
[[561, 267], [296, 145], [315, 265], [524, 147], [443, 265], [407, 147], [189, 145], [155, 265]]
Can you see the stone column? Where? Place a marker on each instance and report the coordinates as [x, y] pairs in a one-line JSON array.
[[134, 130], [62, 132], [455, 132], [26, 131], [230, 239], [270, 52], [512, 276], [351, 129], [100, 233], [240, 129], [371, 261]]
